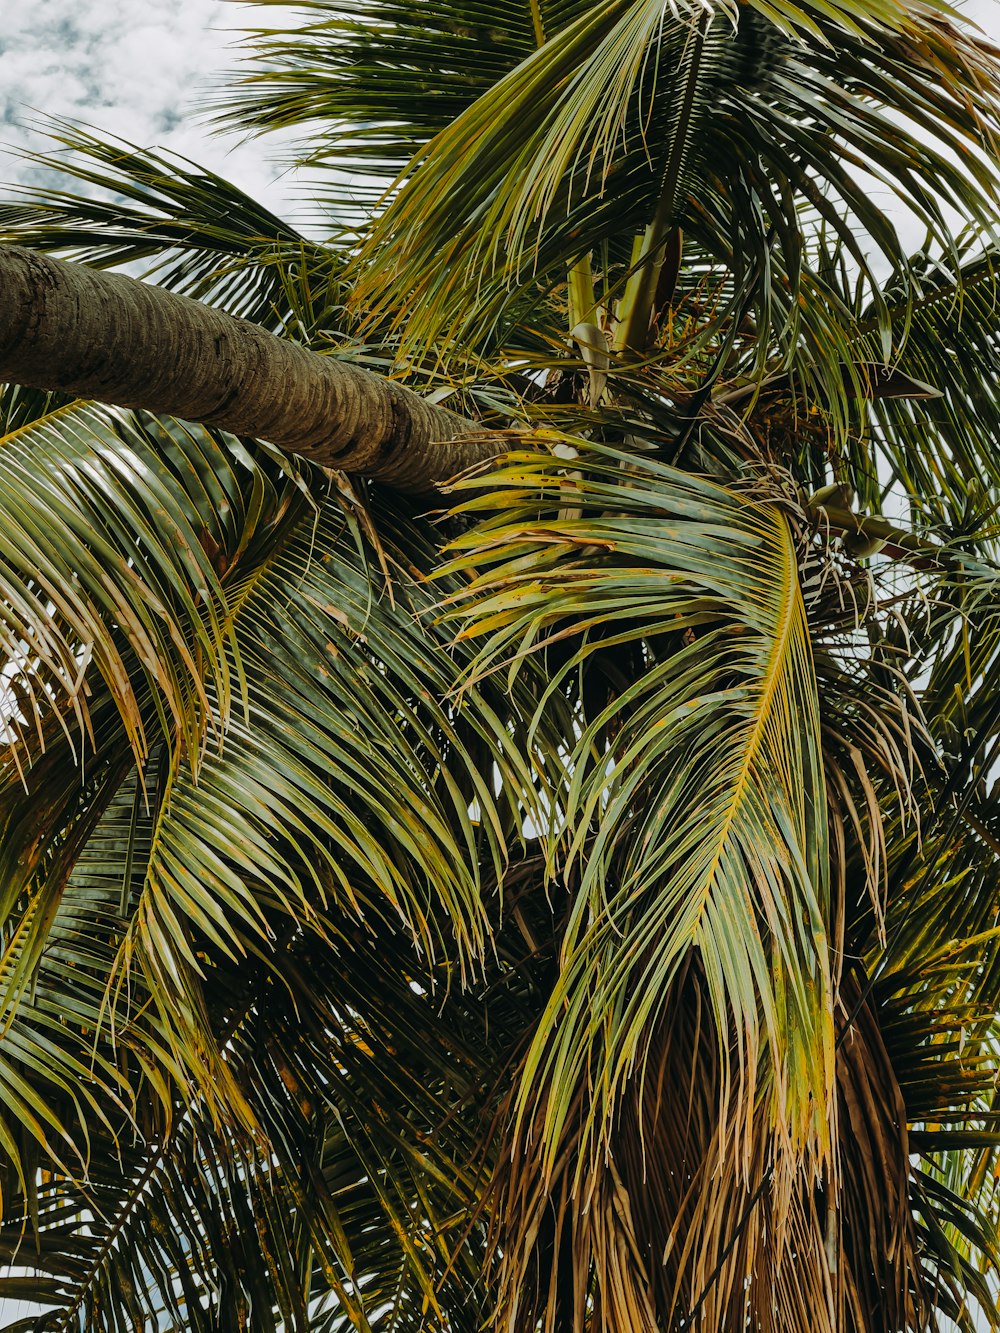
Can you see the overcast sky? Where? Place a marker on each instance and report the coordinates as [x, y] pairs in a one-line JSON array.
[[134, 68]]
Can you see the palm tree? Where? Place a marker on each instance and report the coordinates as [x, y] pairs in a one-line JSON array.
[[562, 896]]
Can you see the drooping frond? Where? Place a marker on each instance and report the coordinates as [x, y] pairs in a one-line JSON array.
[[943, 457], [693, 814], [311, 767], [110, 525]]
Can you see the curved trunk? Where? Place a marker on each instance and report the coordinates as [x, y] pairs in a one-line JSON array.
[[117, 340]]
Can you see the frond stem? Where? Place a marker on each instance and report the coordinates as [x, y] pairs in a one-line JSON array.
[[125, 1212], [650, 251], [896, 543], [582, 298], [536, 22]]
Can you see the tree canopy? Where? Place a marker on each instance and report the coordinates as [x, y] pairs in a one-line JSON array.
[[543, 877]]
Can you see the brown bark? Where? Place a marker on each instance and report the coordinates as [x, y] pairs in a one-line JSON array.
[[114, 339]]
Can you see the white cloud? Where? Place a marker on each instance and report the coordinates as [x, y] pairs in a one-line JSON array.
[[137, 69]]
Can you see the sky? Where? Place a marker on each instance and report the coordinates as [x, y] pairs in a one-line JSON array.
[[138, 69], [135, 68]]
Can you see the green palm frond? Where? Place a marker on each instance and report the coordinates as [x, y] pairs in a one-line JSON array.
[[851, 16], [20, 406], [185, 226], [107, 571], [528, 162], [942, 1045], [337, 69], [116, 665], [361, 1212], [929, 981], [65, 1089], [314, 763], [130, 1246], [613, 132], [695, 804], [346, 750], [942, 453]]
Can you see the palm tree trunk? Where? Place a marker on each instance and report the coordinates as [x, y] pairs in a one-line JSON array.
[[117, 340]]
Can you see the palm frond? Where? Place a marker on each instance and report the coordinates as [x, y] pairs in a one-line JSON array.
[[312, 764], [346, 749], [106, 555], [185, 226], [596, 151], [67, 1090], [693, 812], [359, 1210], [952, 338], [388, 76]]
